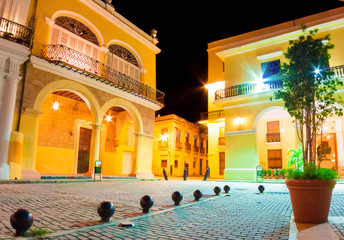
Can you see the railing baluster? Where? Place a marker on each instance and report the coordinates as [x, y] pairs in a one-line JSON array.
[[63, 54]]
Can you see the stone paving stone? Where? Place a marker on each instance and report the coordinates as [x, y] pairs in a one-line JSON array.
[[243, 215]]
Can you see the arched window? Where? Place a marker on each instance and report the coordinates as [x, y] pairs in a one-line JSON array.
[[74, 34], [124, 61]]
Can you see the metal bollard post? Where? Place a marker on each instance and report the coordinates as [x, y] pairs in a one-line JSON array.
[[185, 174], [21, 220], [165, 174], [206, 175]]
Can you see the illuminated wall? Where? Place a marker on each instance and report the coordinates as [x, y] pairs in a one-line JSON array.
[[241, 60]]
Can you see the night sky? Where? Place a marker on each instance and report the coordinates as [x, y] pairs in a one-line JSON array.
[[184, 29]]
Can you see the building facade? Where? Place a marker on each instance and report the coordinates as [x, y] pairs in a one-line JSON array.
[[86, 93], [179, 145], [255, 129]]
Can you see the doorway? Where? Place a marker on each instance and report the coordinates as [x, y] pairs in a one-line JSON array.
[[127, 163], [84, 150]]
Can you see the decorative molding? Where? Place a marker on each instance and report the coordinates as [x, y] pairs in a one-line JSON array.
[[270, 55], [144, 135], [32, 112], [240, 169], [49, 21], [83, 19], [241, 132], [251, 103]]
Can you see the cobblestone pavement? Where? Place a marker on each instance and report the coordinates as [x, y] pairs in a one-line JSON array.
[[69, 210]]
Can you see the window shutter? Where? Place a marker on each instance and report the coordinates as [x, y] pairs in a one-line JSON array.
[[55, 35], [64, 39]]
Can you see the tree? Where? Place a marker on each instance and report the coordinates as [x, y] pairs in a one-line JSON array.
[[308, 87]]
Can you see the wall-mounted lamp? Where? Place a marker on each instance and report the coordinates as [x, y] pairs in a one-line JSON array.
[[239, 120], [108, 118], [164, 137], [56, 105]]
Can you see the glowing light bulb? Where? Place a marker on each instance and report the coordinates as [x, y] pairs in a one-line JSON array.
[[56, 105], [164, 137], [108, 118]]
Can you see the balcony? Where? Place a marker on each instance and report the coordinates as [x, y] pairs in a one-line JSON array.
[[78, 62], [247, 88], [212, 115], [163, 144], [195, 149], [265, 86], [187, 147], [15, 32], [273, 137], [178, 145]]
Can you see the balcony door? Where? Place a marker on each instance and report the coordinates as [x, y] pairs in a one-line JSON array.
[[76, 35], [124, 61]]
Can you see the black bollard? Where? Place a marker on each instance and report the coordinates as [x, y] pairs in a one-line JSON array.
[[197, 194], [226, 188], [106, 210], [217, 190], [261, 188], [177, 197], [185, 174], [146, 203], [21, 220], [206, 175], [165, 174]]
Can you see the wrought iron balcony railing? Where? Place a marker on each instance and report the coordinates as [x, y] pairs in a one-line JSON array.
[[15, 32], [247, 88], [72, 59], [273, 137], [212, 115]]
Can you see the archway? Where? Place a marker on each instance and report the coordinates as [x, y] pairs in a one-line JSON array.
[[120, 125], [64, 142]]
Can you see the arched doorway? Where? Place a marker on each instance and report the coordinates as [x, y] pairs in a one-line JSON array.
[[65, 133], [118, 142]]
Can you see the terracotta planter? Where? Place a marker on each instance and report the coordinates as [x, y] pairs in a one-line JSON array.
[[310, 199]]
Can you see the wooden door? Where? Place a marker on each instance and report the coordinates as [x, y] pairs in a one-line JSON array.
[[84, 150]]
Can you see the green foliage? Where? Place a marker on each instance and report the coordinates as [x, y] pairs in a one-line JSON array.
[[308, 96], [277, 172], [311, 171], [269, 171], [295, 158], [283, 171], [38, 232], [265, 172]]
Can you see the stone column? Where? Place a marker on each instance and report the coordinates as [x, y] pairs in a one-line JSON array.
[[144, 155], [29, 127], [6, 121], [95, 146]]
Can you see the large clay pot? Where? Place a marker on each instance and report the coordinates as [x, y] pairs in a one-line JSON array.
[[310, 199]]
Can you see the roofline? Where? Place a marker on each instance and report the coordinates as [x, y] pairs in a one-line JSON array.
[[124, 24], [277, 33]]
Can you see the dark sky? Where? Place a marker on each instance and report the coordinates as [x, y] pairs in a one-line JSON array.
[[184, 29]]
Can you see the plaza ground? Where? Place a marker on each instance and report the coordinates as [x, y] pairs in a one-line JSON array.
[[69, 210]]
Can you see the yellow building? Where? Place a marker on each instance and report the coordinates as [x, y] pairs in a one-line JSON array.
[[178, 145], [258, 131], [86, 93]]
